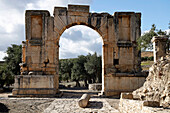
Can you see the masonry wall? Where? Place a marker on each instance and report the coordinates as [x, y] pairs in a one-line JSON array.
[[119, 33]]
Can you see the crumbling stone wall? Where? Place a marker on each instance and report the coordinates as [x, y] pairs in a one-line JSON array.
[[157, 85]]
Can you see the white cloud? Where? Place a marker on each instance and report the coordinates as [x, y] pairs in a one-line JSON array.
[[167, 31], [89, 42], [50, 4], [143, 32], [12, 26], [2, 55]]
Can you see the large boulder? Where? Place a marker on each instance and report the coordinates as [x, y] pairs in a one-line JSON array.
[[157, 85]]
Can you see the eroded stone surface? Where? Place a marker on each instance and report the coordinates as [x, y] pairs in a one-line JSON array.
[[137, 106], [157, 85], [119, 32]]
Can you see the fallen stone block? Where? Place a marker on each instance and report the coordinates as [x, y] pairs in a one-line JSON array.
[[151, 103], [83, 101], [126, 96]]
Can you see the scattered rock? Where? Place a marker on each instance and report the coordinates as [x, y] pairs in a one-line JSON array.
[[151, 103], [157, 85], [126, 95], [95, 87]]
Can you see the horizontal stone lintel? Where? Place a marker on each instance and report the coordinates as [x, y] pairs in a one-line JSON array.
[[78, 8], [127, 75], [35, 42], [124, 44]]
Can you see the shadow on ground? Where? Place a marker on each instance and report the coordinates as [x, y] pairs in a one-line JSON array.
[[95, 105], [3, 108], [77, 93]]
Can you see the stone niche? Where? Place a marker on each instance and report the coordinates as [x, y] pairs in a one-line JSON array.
[[121, 70], [36, 27]]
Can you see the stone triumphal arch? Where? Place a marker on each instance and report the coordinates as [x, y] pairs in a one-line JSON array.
[[40, 52]]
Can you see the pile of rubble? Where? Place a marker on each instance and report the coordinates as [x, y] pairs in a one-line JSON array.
[[157, 85]]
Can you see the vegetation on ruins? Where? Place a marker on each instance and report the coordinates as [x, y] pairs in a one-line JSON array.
[[84, 68], [144, 42], [11, 65]]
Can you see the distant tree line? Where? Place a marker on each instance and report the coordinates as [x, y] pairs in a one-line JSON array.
[[84, 68], [147, 58]]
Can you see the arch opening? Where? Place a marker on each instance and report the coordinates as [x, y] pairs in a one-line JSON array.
[[80, 45]]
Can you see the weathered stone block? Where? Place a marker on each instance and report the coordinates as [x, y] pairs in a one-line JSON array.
[[84, 100], [126, 96], [95, 87], [151, 103]]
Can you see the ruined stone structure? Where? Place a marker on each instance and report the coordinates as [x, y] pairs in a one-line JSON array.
[[160, 44], [121, 59], [154, 95]]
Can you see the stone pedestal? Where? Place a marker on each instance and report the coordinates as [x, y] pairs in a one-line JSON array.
[[95, 87], [122, 82], [35, 86]]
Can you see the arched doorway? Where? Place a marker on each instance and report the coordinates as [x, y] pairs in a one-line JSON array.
[[80, 58]]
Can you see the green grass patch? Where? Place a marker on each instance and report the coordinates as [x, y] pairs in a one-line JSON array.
[[144, 63]]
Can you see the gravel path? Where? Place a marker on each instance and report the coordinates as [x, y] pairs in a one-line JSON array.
[[65, 105]]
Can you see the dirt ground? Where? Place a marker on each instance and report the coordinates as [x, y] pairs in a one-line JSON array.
[[24, 105], [38, 105]]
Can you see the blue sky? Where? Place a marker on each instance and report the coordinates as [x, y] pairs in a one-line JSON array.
[[12, 21], [153, 11]]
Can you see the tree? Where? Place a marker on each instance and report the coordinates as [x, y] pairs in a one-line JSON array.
[[144, 42], [11, 66], [65, 66], [93, 66], [78, 71], [13, 58], [87, 68], [160, 32]]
